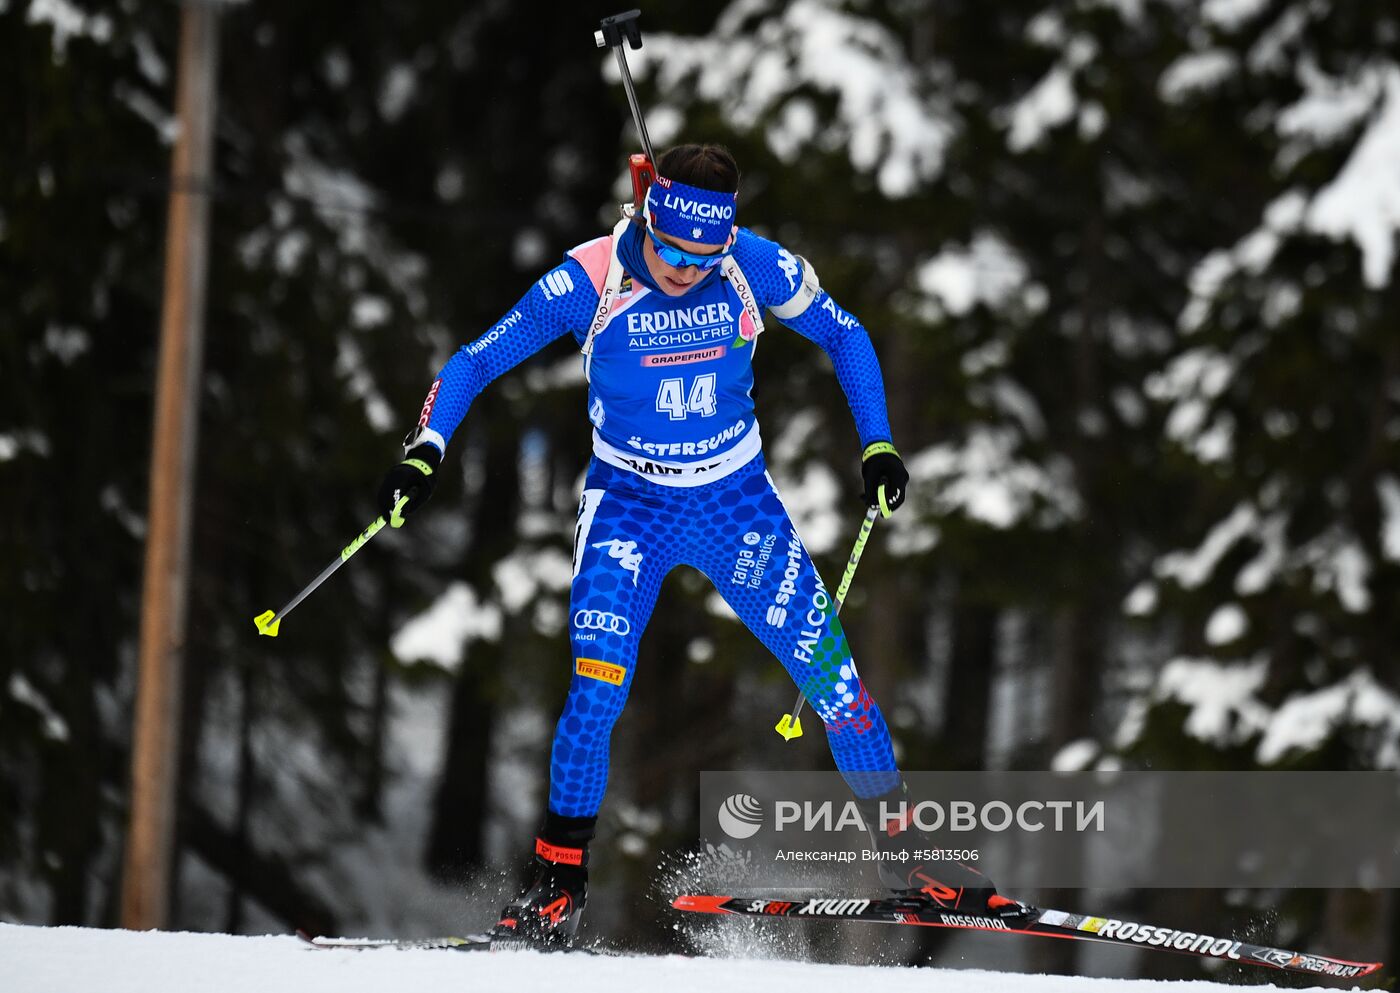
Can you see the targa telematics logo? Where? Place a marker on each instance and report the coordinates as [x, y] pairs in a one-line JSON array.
[[741, 816]]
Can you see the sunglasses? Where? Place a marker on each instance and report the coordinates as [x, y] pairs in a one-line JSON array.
[[678, 258]]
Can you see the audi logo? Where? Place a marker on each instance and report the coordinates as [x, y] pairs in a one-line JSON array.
[[601, 620]]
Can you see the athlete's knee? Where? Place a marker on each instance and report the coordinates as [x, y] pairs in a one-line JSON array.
[[596, 698], [590, 713], [844, 704], [857, 718]]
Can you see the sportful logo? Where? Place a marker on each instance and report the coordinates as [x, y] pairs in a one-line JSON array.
[[626, 554], [556, 283], [777, 613], [601, 620]]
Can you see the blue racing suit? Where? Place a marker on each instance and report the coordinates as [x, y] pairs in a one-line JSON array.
[[678, 477]]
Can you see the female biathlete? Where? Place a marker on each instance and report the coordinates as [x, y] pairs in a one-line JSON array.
[[667, 311]]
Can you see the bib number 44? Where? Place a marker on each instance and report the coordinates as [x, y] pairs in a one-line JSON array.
[[673, 400]]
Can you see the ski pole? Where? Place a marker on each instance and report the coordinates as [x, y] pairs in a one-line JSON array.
[[790, 726], [268, 621], [611, 33]]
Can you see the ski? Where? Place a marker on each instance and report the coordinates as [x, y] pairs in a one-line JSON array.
[[456, 943], [1018, 918], [463, 943]]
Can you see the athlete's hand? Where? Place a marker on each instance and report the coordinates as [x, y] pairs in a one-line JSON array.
[[881, 464], [414, 478]]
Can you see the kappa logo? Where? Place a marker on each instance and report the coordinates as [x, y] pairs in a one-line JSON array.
[[626, 554], [788, 264]]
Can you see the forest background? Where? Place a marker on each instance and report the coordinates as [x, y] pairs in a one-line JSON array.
[[1129, 266]]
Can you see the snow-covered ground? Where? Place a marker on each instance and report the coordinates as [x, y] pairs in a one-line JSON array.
[[87, 960]]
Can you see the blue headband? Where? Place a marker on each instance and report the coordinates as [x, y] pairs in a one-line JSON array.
[[691, 213]]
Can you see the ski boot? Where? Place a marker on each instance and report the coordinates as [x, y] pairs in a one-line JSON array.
[[548, 911], [907, 870]]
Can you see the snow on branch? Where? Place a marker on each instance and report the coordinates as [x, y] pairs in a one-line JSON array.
[[441, 633], [762, 56], [1363, 202]]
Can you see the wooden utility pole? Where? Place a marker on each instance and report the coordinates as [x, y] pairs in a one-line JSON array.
[[156, 735]]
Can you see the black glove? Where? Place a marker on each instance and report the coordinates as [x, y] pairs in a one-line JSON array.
[[880, 463], [414, 478]]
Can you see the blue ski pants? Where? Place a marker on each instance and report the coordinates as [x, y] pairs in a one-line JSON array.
[[630, 533]]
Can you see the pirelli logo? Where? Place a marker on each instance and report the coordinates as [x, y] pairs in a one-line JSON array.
[[608, 672]]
